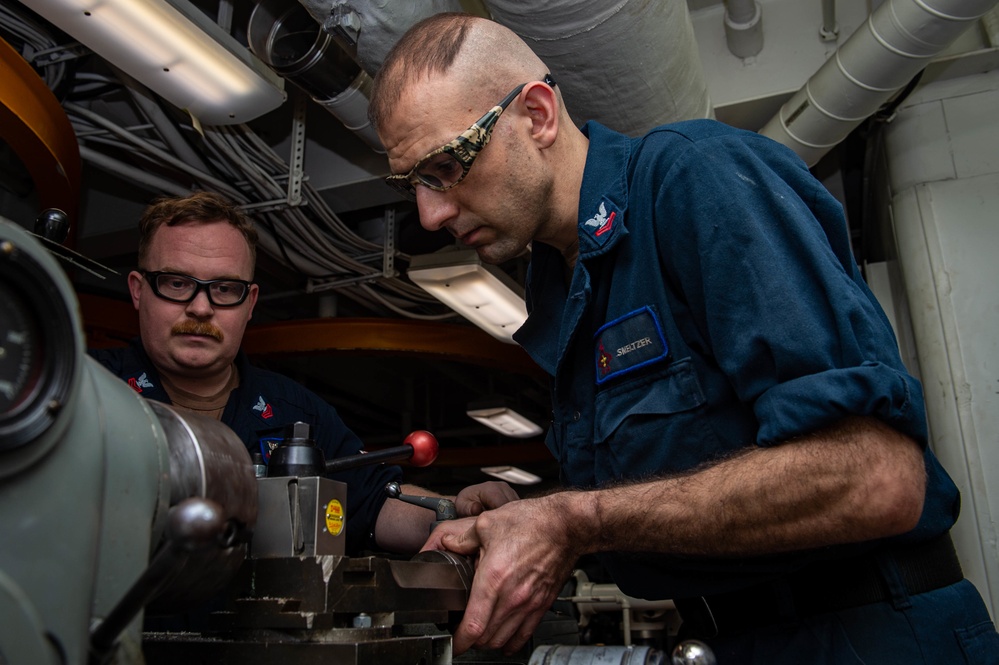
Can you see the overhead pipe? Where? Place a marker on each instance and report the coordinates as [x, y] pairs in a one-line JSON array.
[[895, 43], [290, 42], [630, 64], [743, 27]]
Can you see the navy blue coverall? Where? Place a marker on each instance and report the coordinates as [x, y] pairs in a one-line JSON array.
[[716, 305]]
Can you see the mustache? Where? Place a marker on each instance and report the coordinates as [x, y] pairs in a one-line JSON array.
[[198, 328]]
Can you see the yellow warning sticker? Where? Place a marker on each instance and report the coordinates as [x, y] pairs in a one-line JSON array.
[[334, 517]]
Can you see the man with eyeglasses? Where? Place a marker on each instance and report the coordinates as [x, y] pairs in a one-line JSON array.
[[195, 294], [733, 422]]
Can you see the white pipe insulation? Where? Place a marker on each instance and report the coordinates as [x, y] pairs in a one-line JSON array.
[[897, 41], [743, 27], [629, 64]]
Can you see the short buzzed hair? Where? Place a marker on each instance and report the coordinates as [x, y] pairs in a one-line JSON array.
[[428, 47], [199, 207]]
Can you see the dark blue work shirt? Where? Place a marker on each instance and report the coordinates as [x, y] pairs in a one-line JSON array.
[[715, 305], [259, 409]]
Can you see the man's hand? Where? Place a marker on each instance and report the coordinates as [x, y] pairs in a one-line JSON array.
[[525, 555], [449, 528], [485, 496]]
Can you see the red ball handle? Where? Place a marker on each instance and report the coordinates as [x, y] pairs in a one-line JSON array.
[[424, 445]]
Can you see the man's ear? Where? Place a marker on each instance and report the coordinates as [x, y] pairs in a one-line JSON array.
[[542, 106], [252, 298], [135, 287]]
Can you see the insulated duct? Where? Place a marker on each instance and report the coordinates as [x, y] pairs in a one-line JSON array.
[[897, 41], [290, 42], [629, 64]]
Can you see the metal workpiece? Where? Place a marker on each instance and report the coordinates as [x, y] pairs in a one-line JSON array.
[[209, 461], [554, 654], [690, 652]]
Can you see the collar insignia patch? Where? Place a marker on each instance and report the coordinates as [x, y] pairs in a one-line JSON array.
[[139, 382], [266, 412], [629, 342], [601, 222], [601, 226]]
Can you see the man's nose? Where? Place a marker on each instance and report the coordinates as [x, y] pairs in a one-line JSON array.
[[201, 306], [435, 208]]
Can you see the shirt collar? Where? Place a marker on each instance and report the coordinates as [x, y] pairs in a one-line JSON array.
[[604, 192]]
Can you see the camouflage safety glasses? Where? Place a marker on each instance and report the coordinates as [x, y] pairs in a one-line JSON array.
[[446, 166]]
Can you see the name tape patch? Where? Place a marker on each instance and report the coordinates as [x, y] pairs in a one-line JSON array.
[[629, 342]]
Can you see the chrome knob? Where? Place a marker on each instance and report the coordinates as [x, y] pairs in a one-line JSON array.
[[692, 652]]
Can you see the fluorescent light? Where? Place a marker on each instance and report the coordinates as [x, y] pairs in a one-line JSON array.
[[506, 421], [512, 474], [176, 50], [482, 294]]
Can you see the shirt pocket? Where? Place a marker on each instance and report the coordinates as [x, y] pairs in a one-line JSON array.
[[652, 423]]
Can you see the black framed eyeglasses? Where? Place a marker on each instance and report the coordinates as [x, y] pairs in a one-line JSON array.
[[448, 165], [184, 288]]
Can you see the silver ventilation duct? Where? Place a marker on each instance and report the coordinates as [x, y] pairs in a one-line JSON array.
[[289, 41], [629, 64]]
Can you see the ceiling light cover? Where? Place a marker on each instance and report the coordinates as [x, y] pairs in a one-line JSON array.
[[506, 421], [482, 294], [512, 474], [174, 49]]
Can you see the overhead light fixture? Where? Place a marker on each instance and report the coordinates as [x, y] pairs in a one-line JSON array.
[[176, 50], [483, 294], [506, 421], [512, 474]]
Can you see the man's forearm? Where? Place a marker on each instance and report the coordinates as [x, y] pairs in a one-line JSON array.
[[858, 481]]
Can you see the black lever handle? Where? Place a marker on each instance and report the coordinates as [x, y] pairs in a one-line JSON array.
[[443, 508], [419, 447]]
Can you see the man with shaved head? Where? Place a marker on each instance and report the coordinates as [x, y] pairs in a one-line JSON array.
[[735, 428]]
